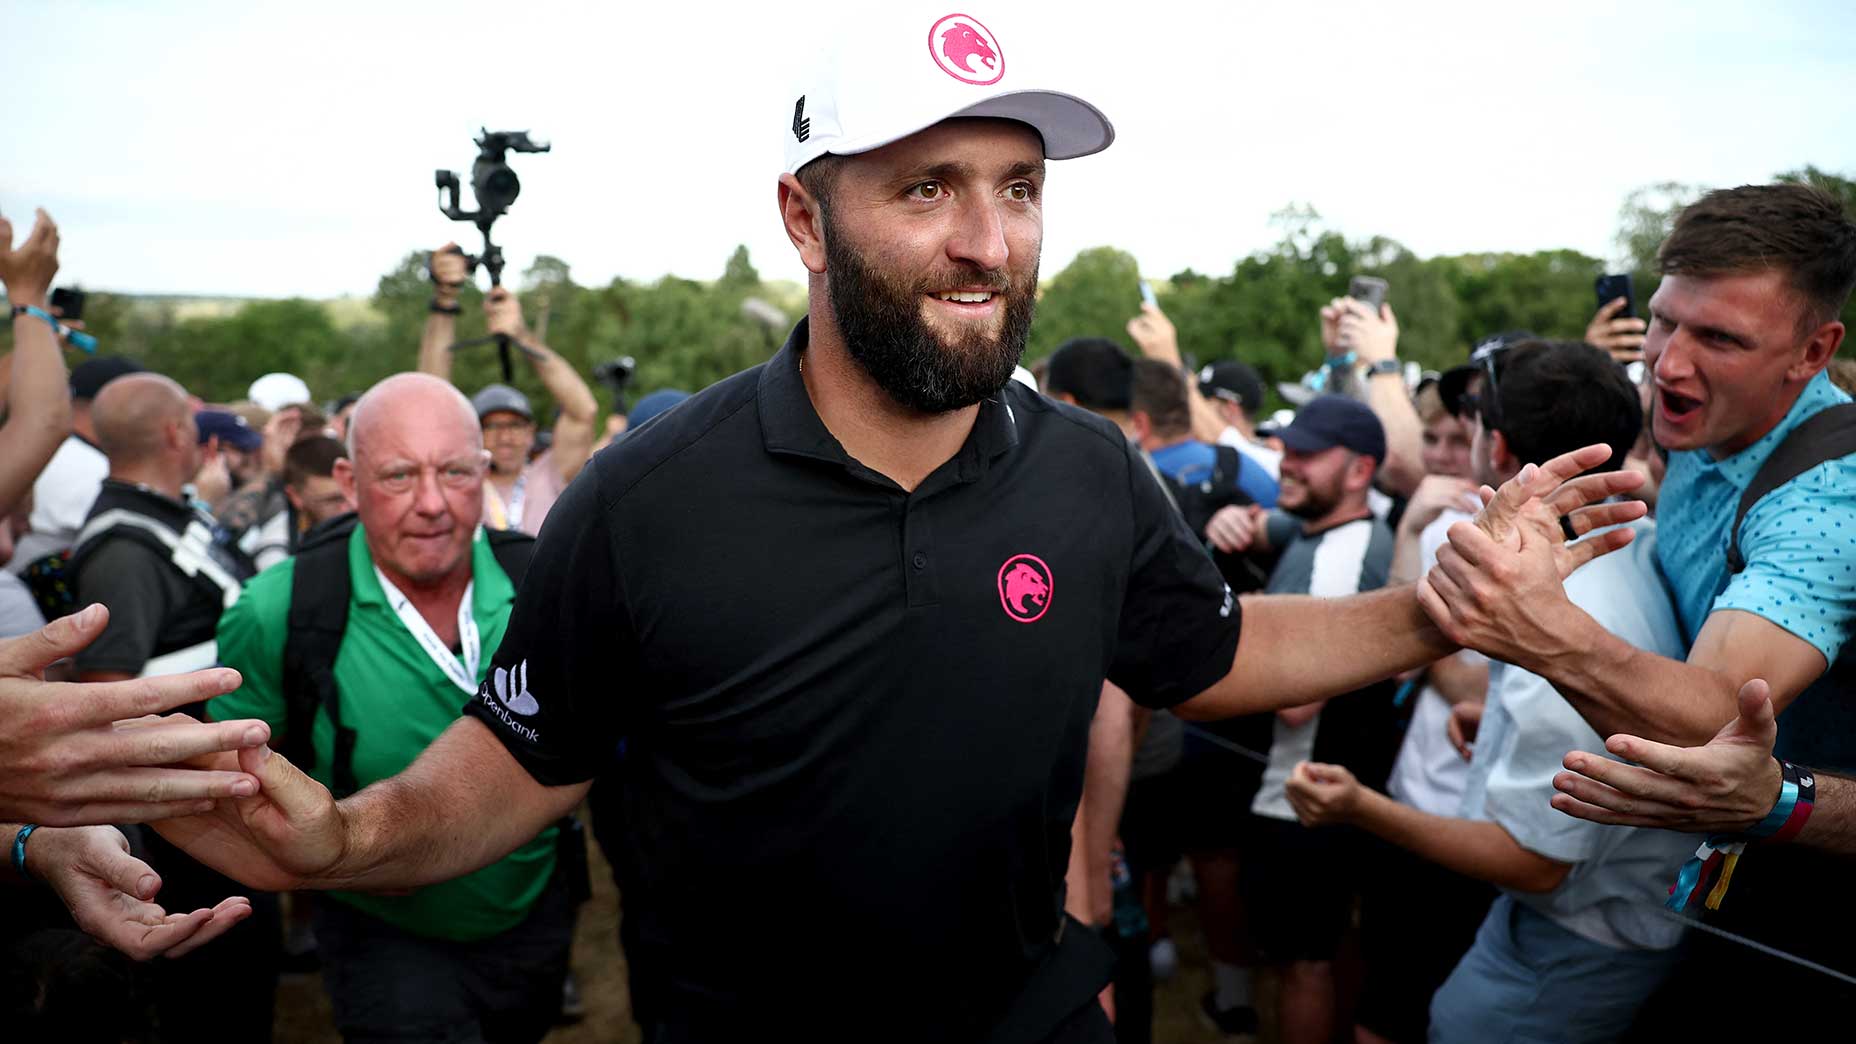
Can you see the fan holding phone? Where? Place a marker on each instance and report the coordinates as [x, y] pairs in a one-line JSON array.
[[1616, 327]]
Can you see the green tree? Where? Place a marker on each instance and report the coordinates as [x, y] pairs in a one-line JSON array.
[[1094, 296]]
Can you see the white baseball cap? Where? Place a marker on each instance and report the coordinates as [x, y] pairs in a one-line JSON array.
[[274, 391], [907, 69]]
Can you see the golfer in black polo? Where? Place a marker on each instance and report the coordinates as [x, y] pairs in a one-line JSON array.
[[848, 613]]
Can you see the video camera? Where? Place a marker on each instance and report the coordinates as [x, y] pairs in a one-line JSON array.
[[616, 374], [496, 188], [494, 183]]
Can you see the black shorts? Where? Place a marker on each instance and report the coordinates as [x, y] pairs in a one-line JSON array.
[[1217, 784], [1153, 821], [1298, 884], [1417, 919]]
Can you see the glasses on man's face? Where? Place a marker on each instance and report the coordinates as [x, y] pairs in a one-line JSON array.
[[495, 429], [455, 475]]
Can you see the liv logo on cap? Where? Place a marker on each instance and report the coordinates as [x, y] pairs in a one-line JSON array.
[[966, 50], [1025, 587]]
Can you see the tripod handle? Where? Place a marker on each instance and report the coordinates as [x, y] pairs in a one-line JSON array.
[[502, 351]]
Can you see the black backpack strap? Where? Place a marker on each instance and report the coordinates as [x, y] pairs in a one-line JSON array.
[[1230, 463], [1826, 435], [319, 591], [513, 549]]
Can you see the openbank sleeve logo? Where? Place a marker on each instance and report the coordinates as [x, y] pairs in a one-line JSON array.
[[1025, 587], [511, 689], [966, 50]]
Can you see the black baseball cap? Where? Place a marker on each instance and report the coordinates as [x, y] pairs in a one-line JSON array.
[[89, 376], [1235, 381], [1335, 420]]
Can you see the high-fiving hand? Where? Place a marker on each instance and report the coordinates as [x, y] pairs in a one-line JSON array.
[[77, 753], [1723, 787], [110, 894], [1497, 586]]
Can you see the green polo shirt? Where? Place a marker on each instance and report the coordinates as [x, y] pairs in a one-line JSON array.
[[397, 701]]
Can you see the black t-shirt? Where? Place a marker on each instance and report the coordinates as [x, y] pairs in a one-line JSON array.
[[853, 719], [154, 608]]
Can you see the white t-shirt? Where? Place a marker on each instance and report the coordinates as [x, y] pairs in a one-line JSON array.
[[1268, 459], [1429, 775], [61, 498], [1620, 875]]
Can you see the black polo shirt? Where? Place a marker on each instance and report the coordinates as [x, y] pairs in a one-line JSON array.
[[853, 718]]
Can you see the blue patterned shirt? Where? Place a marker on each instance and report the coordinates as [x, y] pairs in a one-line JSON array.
[[1799, 541]]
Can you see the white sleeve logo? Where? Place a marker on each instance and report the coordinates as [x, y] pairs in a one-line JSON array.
[[502, 682]]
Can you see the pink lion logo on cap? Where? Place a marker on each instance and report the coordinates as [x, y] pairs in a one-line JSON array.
[[1025, 587], [957, 41]]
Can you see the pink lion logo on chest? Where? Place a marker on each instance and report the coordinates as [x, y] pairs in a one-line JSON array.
[[1025, 587]]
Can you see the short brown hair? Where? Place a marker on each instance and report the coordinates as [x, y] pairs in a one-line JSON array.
[[1429, 402], [1160, 392], [820, 176], [312, 456], [1796, 229]]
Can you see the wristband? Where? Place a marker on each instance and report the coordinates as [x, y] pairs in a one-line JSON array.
[[442, 309], [1797, 795], [78, 338], [1386, 366], [19, 850], [1718, 855]]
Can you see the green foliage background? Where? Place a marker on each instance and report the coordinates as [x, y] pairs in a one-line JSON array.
[[689, 334]]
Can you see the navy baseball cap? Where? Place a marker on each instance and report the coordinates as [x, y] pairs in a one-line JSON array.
[[653, 404], [1335, 420], [229, 427]]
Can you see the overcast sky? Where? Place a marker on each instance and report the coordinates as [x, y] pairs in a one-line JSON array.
[[288, 149]]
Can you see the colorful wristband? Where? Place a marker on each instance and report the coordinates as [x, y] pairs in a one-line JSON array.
[[1801, 784], [19, 850], [1711, 869], [78, 338]]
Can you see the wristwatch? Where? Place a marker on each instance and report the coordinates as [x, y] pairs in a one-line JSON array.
[[1385, 366]]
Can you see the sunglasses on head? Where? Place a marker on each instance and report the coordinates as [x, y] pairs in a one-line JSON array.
[[1485, 402]]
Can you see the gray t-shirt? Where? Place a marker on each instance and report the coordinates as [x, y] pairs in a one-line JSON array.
[[1346, 559], [1619, 873]]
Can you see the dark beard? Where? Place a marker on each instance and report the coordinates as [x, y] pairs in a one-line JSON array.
[[881, 322]]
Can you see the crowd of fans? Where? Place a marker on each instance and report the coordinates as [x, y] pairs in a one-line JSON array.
[[1498, 843]]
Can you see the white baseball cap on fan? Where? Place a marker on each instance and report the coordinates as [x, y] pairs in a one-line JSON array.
[[897, 73]]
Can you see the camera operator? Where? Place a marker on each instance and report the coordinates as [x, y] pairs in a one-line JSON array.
[[517, 491]]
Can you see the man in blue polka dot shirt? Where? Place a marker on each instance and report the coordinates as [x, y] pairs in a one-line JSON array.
[[1741, 330]]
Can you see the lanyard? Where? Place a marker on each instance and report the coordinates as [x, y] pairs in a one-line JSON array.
[[463, 675], [510, 514]]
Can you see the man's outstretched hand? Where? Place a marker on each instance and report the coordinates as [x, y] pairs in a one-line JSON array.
[[110, 894], [1497, 587], [78, 753], [289, 836], [1722, 787]]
